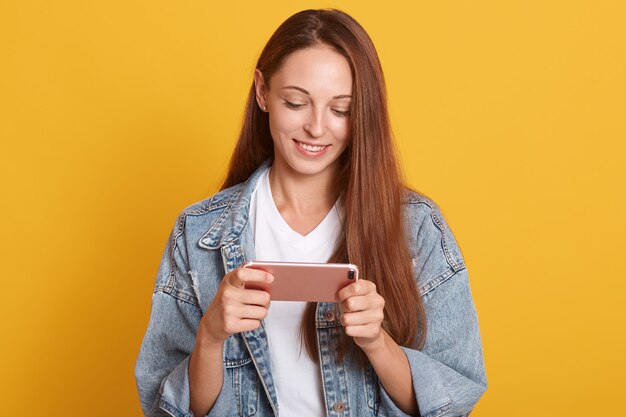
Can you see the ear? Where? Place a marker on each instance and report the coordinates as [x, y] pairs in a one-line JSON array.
[[261, 89]]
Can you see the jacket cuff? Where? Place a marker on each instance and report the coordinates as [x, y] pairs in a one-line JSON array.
[[387, 407], [174, 394], [434, 385], [429, 398]]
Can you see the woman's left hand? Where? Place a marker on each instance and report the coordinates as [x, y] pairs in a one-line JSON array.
[[362, 314]]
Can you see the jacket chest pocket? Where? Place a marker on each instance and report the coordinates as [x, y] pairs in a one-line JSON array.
[[242, 374]]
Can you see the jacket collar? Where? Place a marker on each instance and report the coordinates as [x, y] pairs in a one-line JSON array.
[[233, 220]]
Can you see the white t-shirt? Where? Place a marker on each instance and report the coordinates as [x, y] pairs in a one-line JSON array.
[[297, 378]]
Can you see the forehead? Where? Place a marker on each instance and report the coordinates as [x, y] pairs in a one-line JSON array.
[[319, 70]]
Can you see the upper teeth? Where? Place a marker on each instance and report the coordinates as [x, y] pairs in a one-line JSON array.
[[311, 148]]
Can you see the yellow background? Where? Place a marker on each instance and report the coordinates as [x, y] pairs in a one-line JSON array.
[[116, 115]]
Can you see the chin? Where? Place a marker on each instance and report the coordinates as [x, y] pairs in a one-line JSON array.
[[310, 167]]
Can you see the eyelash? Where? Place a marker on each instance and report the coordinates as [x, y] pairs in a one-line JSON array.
[[342, 113], [291, 105], [294, 106]]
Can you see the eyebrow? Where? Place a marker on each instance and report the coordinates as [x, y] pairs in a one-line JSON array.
[[302, 90]]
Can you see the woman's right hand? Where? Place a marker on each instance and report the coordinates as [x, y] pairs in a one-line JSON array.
[[234, 308]]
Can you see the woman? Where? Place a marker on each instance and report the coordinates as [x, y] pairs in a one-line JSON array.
[[313, 178]]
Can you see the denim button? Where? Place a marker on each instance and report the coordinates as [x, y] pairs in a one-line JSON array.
[[339, 406], [329, 315]]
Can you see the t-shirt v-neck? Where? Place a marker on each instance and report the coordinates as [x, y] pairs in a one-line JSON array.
[[276, 228]]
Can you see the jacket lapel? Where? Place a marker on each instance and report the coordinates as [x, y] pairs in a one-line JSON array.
[[233, 235]]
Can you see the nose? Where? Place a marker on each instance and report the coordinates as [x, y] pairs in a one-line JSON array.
[[316, 125]]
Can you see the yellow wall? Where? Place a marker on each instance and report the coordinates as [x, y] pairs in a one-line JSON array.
[[116, 115]]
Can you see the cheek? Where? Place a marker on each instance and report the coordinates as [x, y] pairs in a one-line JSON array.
[[285, 121], [341, 129]]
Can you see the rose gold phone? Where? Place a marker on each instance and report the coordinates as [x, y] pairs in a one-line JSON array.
[[300, 281]]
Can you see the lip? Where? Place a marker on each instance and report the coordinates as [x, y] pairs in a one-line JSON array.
[[310, 153]]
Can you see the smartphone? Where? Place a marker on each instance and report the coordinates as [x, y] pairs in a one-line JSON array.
[[301, 281]]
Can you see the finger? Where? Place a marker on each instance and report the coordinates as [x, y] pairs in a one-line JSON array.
[[244, 296], [246, 325], [234, 317], [255, 297], [252, 312], [366, 331], [362, 318], [238, 277], [370, 301], [355, 303], [348, 291], [360, 287]]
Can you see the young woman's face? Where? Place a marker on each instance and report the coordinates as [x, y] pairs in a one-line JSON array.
[[309, 110]]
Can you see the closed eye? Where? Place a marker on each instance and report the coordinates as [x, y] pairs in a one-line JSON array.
[[341, 113], [292, 106], [296, 106]]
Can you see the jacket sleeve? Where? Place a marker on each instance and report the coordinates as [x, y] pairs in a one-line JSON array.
[[448, 372], [161, 370]]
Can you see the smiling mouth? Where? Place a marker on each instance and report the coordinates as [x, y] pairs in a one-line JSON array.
[[311, 148]]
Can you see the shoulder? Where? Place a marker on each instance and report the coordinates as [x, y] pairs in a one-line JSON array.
[[418, 203], [434, 248], [222, 217], [418, 209], [198, 217]]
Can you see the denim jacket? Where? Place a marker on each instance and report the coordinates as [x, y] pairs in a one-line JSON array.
[[213, 237]]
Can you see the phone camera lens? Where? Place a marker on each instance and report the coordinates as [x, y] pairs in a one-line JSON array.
[[351, 274]]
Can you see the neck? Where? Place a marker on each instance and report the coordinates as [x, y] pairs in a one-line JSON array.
[[301, 193]]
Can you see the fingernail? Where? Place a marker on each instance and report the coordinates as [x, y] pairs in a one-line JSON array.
[[269, 277]]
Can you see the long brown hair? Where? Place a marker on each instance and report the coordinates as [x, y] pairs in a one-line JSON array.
[[374, 230]]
